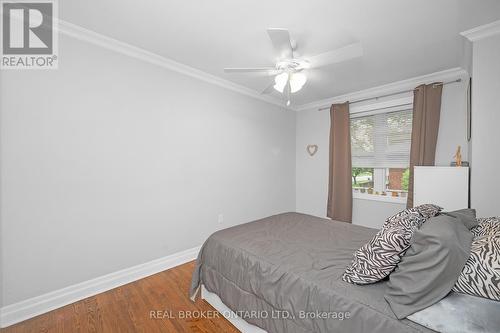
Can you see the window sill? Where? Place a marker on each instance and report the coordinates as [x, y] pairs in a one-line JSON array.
[[375, 197]]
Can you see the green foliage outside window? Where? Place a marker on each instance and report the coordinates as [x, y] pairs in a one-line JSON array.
[[405, 180]]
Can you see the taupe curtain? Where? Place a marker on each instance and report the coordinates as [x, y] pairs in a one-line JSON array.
[[340, 184], [426, 111]]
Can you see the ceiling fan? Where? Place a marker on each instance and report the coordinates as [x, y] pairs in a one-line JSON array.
[[289, 71]]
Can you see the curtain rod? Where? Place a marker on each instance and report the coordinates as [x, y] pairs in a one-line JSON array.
[[392, 94]]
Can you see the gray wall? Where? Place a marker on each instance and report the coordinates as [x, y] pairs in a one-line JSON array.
[[109, 162], [485, 180], [312, 172]]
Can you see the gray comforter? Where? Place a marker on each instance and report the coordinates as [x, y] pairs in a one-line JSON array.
[[287, 269]]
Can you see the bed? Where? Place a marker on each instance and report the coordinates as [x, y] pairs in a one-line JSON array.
[[283, 274]]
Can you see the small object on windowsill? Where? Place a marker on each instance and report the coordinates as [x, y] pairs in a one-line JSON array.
[[395, 194], [384, 193], [464, 164], [363, 190], [377, 193], [458, 157], [370, 191]]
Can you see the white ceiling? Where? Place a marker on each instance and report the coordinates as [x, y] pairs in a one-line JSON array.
[[401, 38]]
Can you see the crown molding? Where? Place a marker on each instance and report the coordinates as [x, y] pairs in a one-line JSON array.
[[89, 36], [482, 31], [446, 75]]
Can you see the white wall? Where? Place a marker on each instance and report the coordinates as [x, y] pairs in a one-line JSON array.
[[485, 181], [313, 127], [452, 123], [109, 162]]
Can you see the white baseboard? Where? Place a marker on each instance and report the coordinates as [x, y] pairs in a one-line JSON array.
[[35, 306]]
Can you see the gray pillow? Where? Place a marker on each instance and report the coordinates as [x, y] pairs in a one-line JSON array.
[[430, 267], [466, 216]]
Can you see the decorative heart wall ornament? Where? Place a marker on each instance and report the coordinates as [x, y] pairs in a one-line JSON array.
[[312, 149]]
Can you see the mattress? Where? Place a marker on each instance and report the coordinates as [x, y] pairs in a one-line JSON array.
[[461, 313], [283, 274]]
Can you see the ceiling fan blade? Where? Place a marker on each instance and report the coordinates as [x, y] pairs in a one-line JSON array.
[[269, 89], [281, 42], [345, 53], [250, 70]]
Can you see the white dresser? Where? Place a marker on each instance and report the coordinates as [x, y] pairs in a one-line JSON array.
[[447, 187]]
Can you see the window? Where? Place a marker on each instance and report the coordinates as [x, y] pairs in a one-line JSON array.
[[380, 148]]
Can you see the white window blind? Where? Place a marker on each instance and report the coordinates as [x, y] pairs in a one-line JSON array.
[[382, 140]]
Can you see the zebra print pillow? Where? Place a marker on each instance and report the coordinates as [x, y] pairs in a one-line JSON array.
[[378, 258], [486, 226], [481, 274], [426, 211]]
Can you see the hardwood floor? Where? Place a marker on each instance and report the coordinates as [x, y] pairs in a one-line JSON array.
[[128, 309]]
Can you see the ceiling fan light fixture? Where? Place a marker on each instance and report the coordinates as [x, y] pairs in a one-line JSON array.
[[291, 66], [297, 81], [280, 82]]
